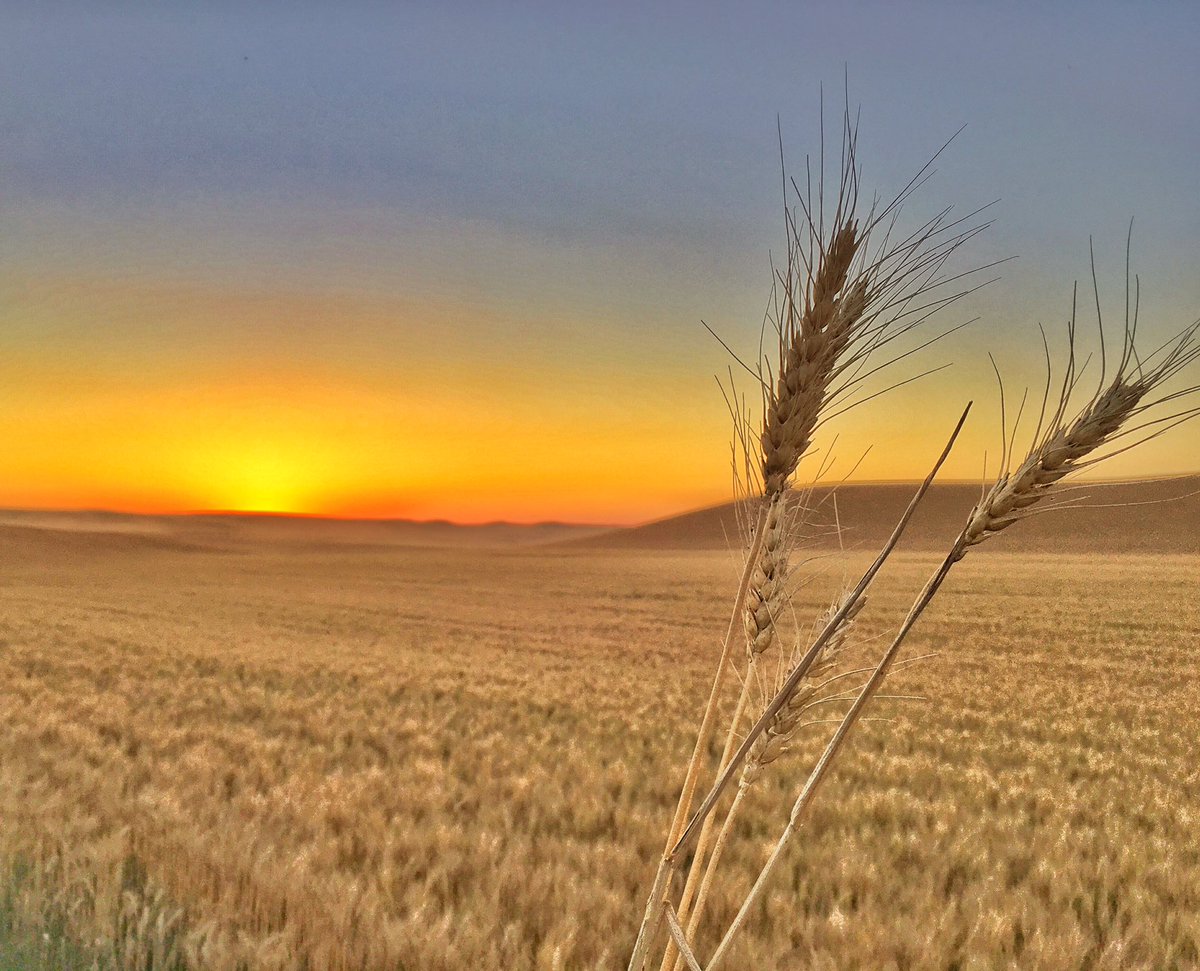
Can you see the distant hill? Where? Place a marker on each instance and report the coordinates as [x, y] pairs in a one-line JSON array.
[[237, 530], [97, 530], [1145, 517]]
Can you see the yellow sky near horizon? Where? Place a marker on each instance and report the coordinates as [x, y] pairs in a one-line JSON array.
[[391, 417], [395, 416]]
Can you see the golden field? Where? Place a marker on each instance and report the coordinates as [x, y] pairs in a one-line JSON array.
[[387, 757]]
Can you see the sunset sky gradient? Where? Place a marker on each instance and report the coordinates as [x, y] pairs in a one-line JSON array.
[[451, 260]]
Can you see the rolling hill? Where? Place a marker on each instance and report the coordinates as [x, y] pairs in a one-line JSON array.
[[1156, 516]]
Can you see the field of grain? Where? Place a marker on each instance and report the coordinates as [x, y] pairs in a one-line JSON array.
[[429, 759]]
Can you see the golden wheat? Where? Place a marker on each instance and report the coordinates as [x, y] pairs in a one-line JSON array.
[[783, 725], [1066, 448], [314, 764]]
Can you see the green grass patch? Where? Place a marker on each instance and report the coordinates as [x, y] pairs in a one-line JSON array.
[[41, 941]]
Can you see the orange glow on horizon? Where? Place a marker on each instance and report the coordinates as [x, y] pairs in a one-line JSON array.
[[298, 446], [426, 427], [295, 445]]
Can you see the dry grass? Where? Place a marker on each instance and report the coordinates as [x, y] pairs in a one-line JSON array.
[[435, 760]]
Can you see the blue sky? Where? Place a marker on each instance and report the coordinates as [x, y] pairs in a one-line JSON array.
[[561, 191]]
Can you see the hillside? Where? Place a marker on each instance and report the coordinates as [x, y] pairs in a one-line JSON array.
[[98, 531], [1159, 516]]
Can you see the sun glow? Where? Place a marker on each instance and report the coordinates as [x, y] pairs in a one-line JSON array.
[[266, 481], [145, 428], [313, 443]]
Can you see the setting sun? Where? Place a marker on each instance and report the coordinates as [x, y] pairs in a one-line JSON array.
[[265, 482]]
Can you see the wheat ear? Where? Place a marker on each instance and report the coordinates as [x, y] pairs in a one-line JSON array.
[[1068, 446], [1012, 497], [819, 335], [818, 323], [774, 741]]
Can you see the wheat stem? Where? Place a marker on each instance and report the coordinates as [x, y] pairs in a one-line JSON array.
[[670, 957], [821, 769], [822, 639], [718, 850], [679, 938], [652, 919]]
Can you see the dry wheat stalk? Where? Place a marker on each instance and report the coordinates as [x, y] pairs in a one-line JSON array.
[[838, 301], [1067, 446], [792, 413], [773, 742], [822, 316], [822, 308]]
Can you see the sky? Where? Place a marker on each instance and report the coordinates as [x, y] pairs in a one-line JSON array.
[[451, 260]]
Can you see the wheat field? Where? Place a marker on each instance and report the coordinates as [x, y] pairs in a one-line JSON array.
[[434, 759]]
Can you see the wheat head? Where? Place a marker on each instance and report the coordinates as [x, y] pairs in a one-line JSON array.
[[772, 743]]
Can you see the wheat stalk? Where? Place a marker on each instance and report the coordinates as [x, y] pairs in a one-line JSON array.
[[1067, 446], [812, 319], [817, 335], [774, 741], [838, 301]]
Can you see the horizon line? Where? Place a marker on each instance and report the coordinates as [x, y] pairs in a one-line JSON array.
[[527, 524]]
